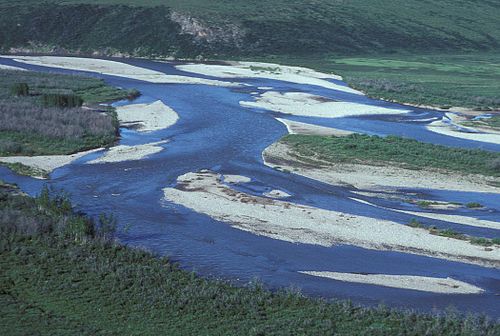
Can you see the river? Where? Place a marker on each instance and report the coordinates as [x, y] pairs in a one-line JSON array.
[[215, 132]]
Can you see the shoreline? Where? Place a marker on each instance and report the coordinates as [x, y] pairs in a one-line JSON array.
[[97, 55], [114, 68], [148, 117], [408, 282], [205, 193], [374, 178]]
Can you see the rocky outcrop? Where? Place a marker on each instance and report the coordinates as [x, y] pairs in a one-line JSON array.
[[227, 35]]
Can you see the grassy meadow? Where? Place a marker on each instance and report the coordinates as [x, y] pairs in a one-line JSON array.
[[63, 274], [407, 153], [440, 80]]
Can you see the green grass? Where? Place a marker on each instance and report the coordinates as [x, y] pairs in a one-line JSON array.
[[450, 233], [426, 204], [92, 90], [21, 169], [393, 150], [62, 275], [440, 80], [33, 144], [493, 122]]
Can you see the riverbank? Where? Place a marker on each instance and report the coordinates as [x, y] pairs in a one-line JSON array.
[[57, 275], [373, 177], [114, 68], [204, 192], [53, 150], [37, 136], [464, 83]]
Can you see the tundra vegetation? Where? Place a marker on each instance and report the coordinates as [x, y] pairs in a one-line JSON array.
[[402, 152], [62, 273], [439, 80], [42, 114], [450, 233]]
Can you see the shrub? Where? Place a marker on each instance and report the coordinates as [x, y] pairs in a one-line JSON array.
[[495, 165], [481, 241], [61, 100], [133, 94], [415, 223], [9, 147], [473, 205], [20, 89]]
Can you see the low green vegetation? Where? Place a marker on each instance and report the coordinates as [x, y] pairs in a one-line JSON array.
[[494, 121], [20, 89], [491, 122], [22, 169], [474, 205], [42, 113], [402, 152], [61, 100], [440, 80], [63, 274], [450, 233], [426, 204]]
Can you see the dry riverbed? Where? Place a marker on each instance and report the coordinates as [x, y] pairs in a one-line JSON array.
[[308, 105], [114, 68], [206, 193], [147, 117], [418, 283], [374, 178], [279, 72]]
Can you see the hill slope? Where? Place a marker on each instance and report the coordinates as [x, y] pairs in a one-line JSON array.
[[251, 27]]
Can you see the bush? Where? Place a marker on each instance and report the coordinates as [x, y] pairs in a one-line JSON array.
[[20, 89], [9, 147], [61, 100], [474, 205], [133, 94], [495, 165]]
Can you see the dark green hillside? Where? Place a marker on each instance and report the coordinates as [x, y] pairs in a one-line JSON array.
[[408, 49], [246, 27]]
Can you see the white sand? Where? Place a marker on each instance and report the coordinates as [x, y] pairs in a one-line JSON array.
[[128, 153], [377, 178], [275, 193], [235, 179], [456, 219], [10, 67], [114, 68], [308, 105], [418, 283], [270, 71], [46, 163], [204, 193], [147, 117], [295, 127], [452, 127]]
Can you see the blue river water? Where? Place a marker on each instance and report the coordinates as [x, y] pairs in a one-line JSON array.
[[215, 132]]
